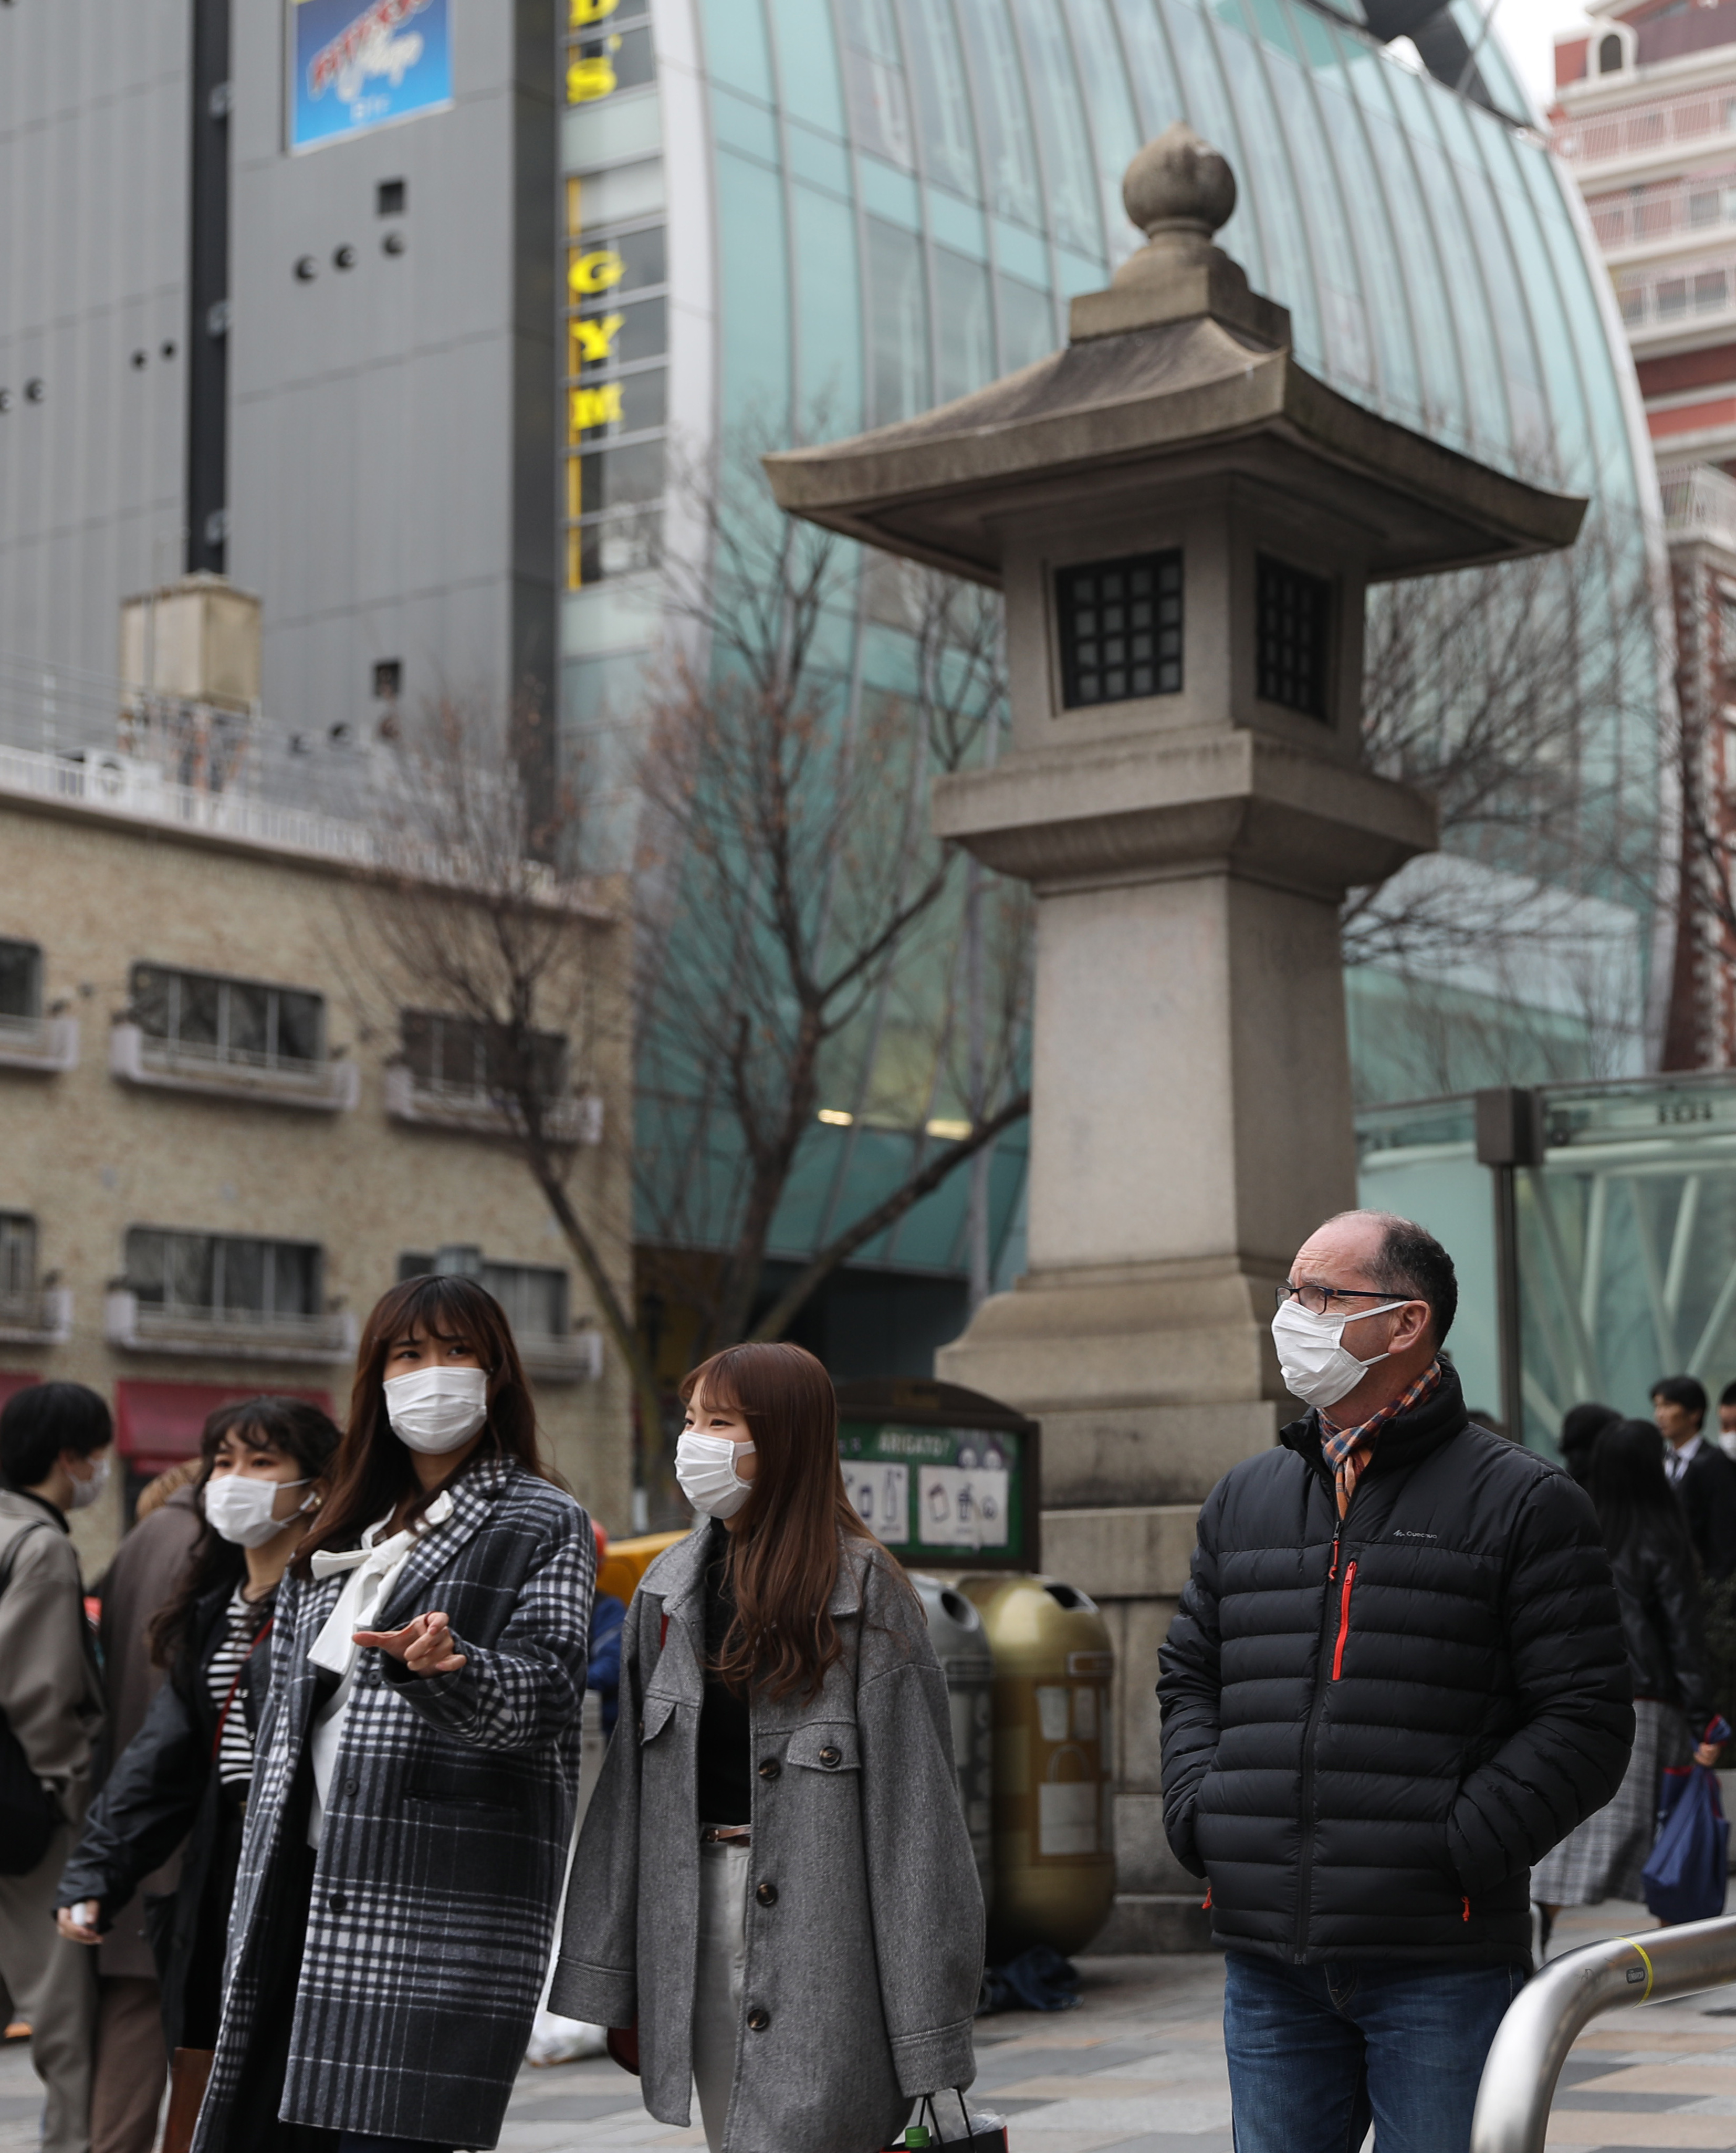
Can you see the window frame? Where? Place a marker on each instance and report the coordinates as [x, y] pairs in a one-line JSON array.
[[220, 1053]]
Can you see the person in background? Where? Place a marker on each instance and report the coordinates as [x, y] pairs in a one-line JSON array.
[[1700, 1473], [607, 1614], [1658, 1592], [132, 2063], [188, 1768], [1726, 1421], [790, 1802], [1580, 1427], [54, 1447], [165, 1486]]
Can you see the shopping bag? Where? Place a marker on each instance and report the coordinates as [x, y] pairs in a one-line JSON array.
[[946, 2125], [1688, 1872]]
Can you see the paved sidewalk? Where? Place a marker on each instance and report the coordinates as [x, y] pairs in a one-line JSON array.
[[1139, 2068]]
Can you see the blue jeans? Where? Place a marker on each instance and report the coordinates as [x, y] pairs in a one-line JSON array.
[[1317, 2053]]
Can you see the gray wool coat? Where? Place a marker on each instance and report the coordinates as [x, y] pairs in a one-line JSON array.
[[439, 1862], [865, 1966]]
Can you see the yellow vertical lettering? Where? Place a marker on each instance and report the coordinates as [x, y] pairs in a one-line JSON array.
[[593, 407], [589, 79], [590, 11], [596, 271], [591, 338]]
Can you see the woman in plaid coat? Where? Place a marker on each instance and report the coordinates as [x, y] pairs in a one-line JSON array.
[[417, 1763]]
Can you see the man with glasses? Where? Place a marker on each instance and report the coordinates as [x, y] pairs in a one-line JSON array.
[[1395, 1680]]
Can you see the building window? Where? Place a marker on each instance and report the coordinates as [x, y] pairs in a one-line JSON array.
[[388, 679], [1120, 629], [1610, 55], [20, 980], [534, 1296], [219, 1274], [457, 1054], [1294, 623], [389, 198], [17, 1256], [212, 1018]]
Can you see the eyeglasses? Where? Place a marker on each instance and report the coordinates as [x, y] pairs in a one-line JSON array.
[[1318, 1298]]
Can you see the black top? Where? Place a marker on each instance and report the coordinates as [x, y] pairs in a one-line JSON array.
[[1662, 1624], [1367, 1757], [725, 1737], [1708, 1490]]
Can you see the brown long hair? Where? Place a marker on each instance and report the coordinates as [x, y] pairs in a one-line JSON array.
[[300, 1430], [783, 1556], [373, 1472]]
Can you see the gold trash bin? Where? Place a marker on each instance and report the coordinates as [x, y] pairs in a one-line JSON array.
[[1054, 1767]]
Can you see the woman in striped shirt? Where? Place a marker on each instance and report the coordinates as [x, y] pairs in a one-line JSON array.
[[189, 1767]]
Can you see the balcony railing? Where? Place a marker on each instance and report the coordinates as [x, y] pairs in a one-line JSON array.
[[44, 1044], [37, 1316], [1700, 504], [1666, 297], [225, 1334], [135, 1058], [574, 1118], [575, 1358], [1652, 128], [1644, 217]]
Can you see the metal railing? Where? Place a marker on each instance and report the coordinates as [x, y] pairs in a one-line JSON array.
[[1547, 2015]]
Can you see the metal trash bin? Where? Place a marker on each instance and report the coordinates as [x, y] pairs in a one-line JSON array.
[[962, 1648], [1053, 1766]]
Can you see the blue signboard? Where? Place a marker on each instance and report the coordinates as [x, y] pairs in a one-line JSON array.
[[355, 64]]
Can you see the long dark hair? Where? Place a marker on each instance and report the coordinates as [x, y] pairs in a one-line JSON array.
[[1628, 1488], [373, 1474], [783, 1556], [300, 1430]]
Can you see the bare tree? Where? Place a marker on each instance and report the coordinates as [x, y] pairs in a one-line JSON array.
[[470, 919], [820, 948], [1525, 698]]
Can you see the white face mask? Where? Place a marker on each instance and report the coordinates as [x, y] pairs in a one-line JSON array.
[[87, 1492], [436, 1409], [1318, 1366], [243, 1509], [706, 1467]]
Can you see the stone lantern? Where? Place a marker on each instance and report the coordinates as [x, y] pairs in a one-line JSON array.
[[1185, 524]]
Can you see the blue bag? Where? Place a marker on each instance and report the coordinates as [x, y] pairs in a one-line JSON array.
[[1688, 1870]]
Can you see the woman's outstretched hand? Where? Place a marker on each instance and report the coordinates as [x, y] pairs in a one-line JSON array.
[[424, 1644], [1707, 1753]]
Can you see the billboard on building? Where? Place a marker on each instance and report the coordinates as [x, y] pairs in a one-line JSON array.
[[357, 65]]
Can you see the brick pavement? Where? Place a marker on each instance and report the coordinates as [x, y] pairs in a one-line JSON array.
[[1139, 2068]]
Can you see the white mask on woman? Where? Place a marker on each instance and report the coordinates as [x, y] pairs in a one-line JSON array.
[[706, 1467], [86, 1491], [433, 1410], [244, 1510]]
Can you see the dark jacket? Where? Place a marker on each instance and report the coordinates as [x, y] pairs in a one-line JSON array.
[[1662, 1624], [164, 1787], [1371, 1733], [137, 1583], [1708, 1490]]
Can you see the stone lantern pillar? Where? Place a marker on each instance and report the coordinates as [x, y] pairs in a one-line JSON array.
[[1185, 523]]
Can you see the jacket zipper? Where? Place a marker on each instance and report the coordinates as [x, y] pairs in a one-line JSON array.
[[1305, 1870], [1349, 1579]]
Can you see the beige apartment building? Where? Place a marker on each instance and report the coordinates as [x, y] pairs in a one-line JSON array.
[[225, 1126]]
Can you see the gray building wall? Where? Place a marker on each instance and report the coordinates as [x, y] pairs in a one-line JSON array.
[[392, 425], [93, 251]]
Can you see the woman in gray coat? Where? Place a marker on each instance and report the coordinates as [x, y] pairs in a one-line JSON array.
[[415, 1769], [774, 1887]]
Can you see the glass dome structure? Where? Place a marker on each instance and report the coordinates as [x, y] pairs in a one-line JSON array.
[[804, 215]]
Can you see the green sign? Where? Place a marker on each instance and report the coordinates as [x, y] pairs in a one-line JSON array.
[[955, 1496]]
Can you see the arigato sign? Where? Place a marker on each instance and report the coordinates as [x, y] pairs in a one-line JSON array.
[[355, 64]]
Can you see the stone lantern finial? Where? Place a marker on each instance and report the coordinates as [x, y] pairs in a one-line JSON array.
[[1179, 191]]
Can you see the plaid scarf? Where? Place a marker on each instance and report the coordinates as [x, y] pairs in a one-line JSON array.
[[1348, 1450]]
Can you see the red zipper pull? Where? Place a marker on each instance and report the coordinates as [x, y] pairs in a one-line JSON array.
[[1333, 1571], [1466, 1915], [1205, 1904], [1349, 1579]]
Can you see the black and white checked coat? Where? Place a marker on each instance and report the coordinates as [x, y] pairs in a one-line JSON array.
[[440, 1860]]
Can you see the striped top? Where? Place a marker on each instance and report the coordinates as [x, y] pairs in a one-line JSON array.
[[244, 1620]]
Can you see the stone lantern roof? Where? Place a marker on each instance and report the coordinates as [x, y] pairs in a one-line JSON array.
[[1178, 354]]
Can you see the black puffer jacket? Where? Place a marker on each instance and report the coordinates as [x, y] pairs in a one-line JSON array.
[[1661, 1623], [1367, 1743]]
